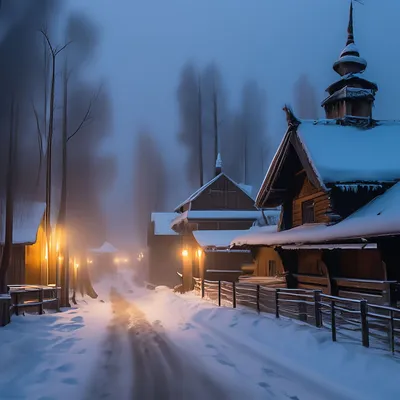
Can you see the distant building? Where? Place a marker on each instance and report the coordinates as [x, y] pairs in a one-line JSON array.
[[219, 206]]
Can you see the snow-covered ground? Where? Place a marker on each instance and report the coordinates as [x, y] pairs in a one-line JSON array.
[[105, 346]]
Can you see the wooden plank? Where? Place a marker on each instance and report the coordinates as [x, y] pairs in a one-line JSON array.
[[362, 284], [321, 280]]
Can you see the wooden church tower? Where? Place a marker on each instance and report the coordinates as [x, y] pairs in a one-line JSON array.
[[352, 95]]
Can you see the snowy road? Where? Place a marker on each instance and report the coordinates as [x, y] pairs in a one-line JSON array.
[[162, 370]]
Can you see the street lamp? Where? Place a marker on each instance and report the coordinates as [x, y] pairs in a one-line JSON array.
[[185, 253]]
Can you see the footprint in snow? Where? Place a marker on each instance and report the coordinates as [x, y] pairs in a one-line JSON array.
[[187, 326], [67, 327], [65, 368], [264, 385], [65, 345], [77, 319]]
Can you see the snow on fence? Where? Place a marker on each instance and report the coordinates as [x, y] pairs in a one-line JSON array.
[[355, 320]]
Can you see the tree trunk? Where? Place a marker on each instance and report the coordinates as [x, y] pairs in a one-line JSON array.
[[200, 133], [8, 240], [216, 141], [62, 216], [48, 166]]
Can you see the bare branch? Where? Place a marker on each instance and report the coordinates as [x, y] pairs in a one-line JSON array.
[[40, 143], [54, 50], [87, 118], [58, 51]]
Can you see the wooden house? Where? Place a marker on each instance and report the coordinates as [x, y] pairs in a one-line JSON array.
[[335, 180], [28, 261], [163, 250], [221, 204]]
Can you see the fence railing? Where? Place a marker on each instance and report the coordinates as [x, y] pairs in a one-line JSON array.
[[355, 320], [33, 297]]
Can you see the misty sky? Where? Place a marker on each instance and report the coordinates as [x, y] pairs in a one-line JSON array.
[[145, 43]]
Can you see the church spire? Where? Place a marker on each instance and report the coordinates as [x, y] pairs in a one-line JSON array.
[[350, 30], [349, 60], [352, 95]]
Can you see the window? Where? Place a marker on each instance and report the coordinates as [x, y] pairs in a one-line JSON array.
[[307, 212], [272, 268]]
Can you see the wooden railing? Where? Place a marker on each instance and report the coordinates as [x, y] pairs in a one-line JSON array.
[[33, 297], [372, 325]]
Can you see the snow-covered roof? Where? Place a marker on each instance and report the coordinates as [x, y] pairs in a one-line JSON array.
[[28, 216], [162, 223], [349, 93], [195, 215], [199, 191], [352, 154], [350, 48], [216, 239], [380, 217], [105, 248]]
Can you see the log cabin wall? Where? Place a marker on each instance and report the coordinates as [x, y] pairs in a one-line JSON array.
[[361, 264], [35, 263], [319, 200], [223, 194], [268, 262], [16, 271]]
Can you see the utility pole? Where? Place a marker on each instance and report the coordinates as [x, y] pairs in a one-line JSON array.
[[200, 134]]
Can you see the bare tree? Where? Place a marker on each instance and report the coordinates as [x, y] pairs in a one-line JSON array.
[[149, 182], [9, 205]]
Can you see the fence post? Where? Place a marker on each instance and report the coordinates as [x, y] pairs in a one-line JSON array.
[[202, 288], [234, 294], [333, 320], [364, 323], [317, 308], [16, 303], [219, 293], [392, 343], [258, 299], [41, 292], [277, 303]]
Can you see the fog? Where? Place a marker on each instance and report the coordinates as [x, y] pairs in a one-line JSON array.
[[142, 47]]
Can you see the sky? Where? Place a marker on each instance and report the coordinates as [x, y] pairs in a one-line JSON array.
[[145, 43]]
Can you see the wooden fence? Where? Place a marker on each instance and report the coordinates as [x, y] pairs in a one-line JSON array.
[[355, 320]]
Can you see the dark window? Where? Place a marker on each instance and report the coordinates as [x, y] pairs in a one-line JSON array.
[[272, 268], [307, 212]]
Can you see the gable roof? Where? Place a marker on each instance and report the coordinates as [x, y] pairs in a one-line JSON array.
[[201, 190], [28, 216], [340, 154]]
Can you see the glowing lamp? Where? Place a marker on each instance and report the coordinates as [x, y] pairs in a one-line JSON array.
[[199, 253], [185, 253]]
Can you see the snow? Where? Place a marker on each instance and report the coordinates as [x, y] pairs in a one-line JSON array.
[[105, 248], [351, 59], [350, 48], [59, 356], [378, 218], [216, 239], [51, 356], [263, 357], [350, 154], [217, 215], [27, 219], [349, 93], [162, 223]]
